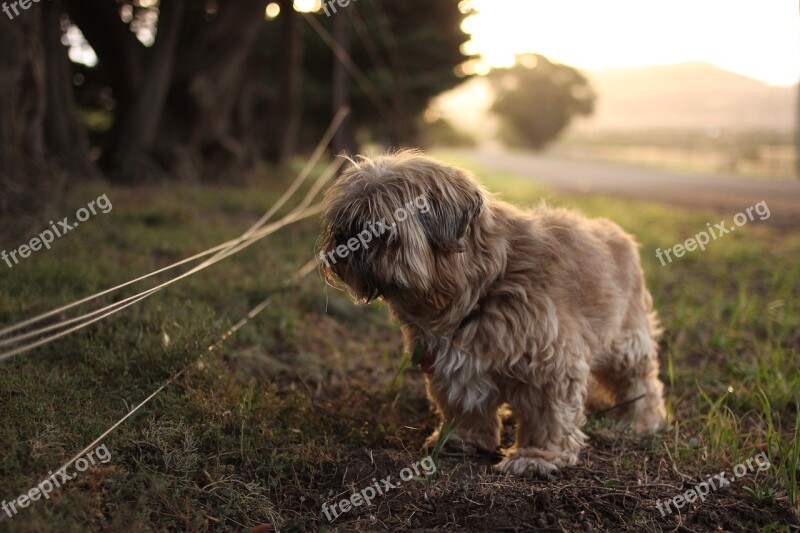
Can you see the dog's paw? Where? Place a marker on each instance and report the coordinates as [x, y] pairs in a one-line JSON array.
[[517, 465], [530, 461]]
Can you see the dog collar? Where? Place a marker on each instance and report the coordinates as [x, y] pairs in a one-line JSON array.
[[423, 357], [428, 359]]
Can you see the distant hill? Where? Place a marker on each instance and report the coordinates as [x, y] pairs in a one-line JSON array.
[[687, 96]]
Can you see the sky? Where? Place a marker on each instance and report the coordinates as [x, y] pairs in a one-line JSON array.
[[757, 38]]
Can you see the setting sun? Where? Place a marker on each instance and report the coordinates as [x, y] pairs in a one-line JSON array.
[[755, 39]]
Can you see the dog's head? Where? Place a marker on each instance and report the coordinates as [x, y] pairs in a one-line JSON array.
[[391, 222]]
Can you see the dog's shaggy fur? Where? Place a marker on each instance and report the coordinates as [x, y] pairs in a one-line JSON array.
[[536, 309]]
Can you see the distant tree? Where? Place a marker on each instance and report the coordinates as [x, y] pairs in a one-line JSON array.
[[537, 99]]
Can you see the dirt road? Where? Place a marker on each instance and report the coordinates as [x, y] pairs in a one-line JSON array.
[[723, 192]]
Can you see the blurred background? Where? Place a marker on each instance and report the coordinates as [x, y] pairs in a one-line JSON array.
[[705, 87], [209, 90]]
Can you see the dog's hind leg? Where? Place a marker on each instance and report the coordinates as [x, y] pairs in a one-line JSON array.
[[629, 370]]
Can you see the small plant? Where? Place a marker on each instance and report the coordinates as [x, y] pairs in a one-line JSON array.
[[396, 382], [444, 434], [760, 492]]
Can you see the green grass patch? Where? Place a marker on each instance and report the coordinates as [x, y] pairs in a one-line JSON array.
[[314, 397]]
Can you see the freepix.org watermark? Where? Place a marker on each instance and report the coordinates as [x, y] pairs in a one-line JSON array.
[[23, 4], [703, 238], [713, 483], [329, 6], [46, 238], [369, 493], [57, 480], [374, 230]]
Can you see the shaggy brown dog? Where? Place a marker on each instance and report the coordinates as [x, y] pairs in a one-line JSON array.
[[521, 307]]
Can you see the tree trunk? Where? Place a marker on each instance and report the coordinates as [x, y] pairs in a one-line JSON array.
[[138, 130], [40, 134], [120, 56], [64, 133], [211, 104], [341, 84], [290, 98], [22, 107], [198, 72]]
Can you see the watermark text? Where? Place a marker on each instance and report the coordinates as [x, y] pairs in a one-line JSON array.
[[57, 480], [56, 230], [718, 230], [713, 483], [378, 488]]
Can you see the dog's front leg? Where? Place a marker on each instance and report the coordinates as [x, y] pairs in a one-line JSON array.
[[471, 407], [550, 417]]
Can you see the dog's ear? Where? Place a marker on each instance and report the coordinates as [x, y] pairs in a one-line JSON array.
[[452, 210]]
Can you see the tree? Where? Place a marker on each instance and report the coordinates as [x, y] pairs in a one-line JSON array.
[[342, 141], [407, 50], [537, 99], [41, 137], [204, 90], [237, 85], [184, 105], [291, 84]]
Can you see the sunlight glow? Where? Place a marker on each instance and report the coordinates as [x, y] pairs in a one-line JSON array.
[[272, 11], [308, 6], [79, 49], [758, 39]]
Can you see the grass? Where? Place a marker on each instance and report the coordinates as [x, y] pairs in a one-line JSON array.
[[314, 397]]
